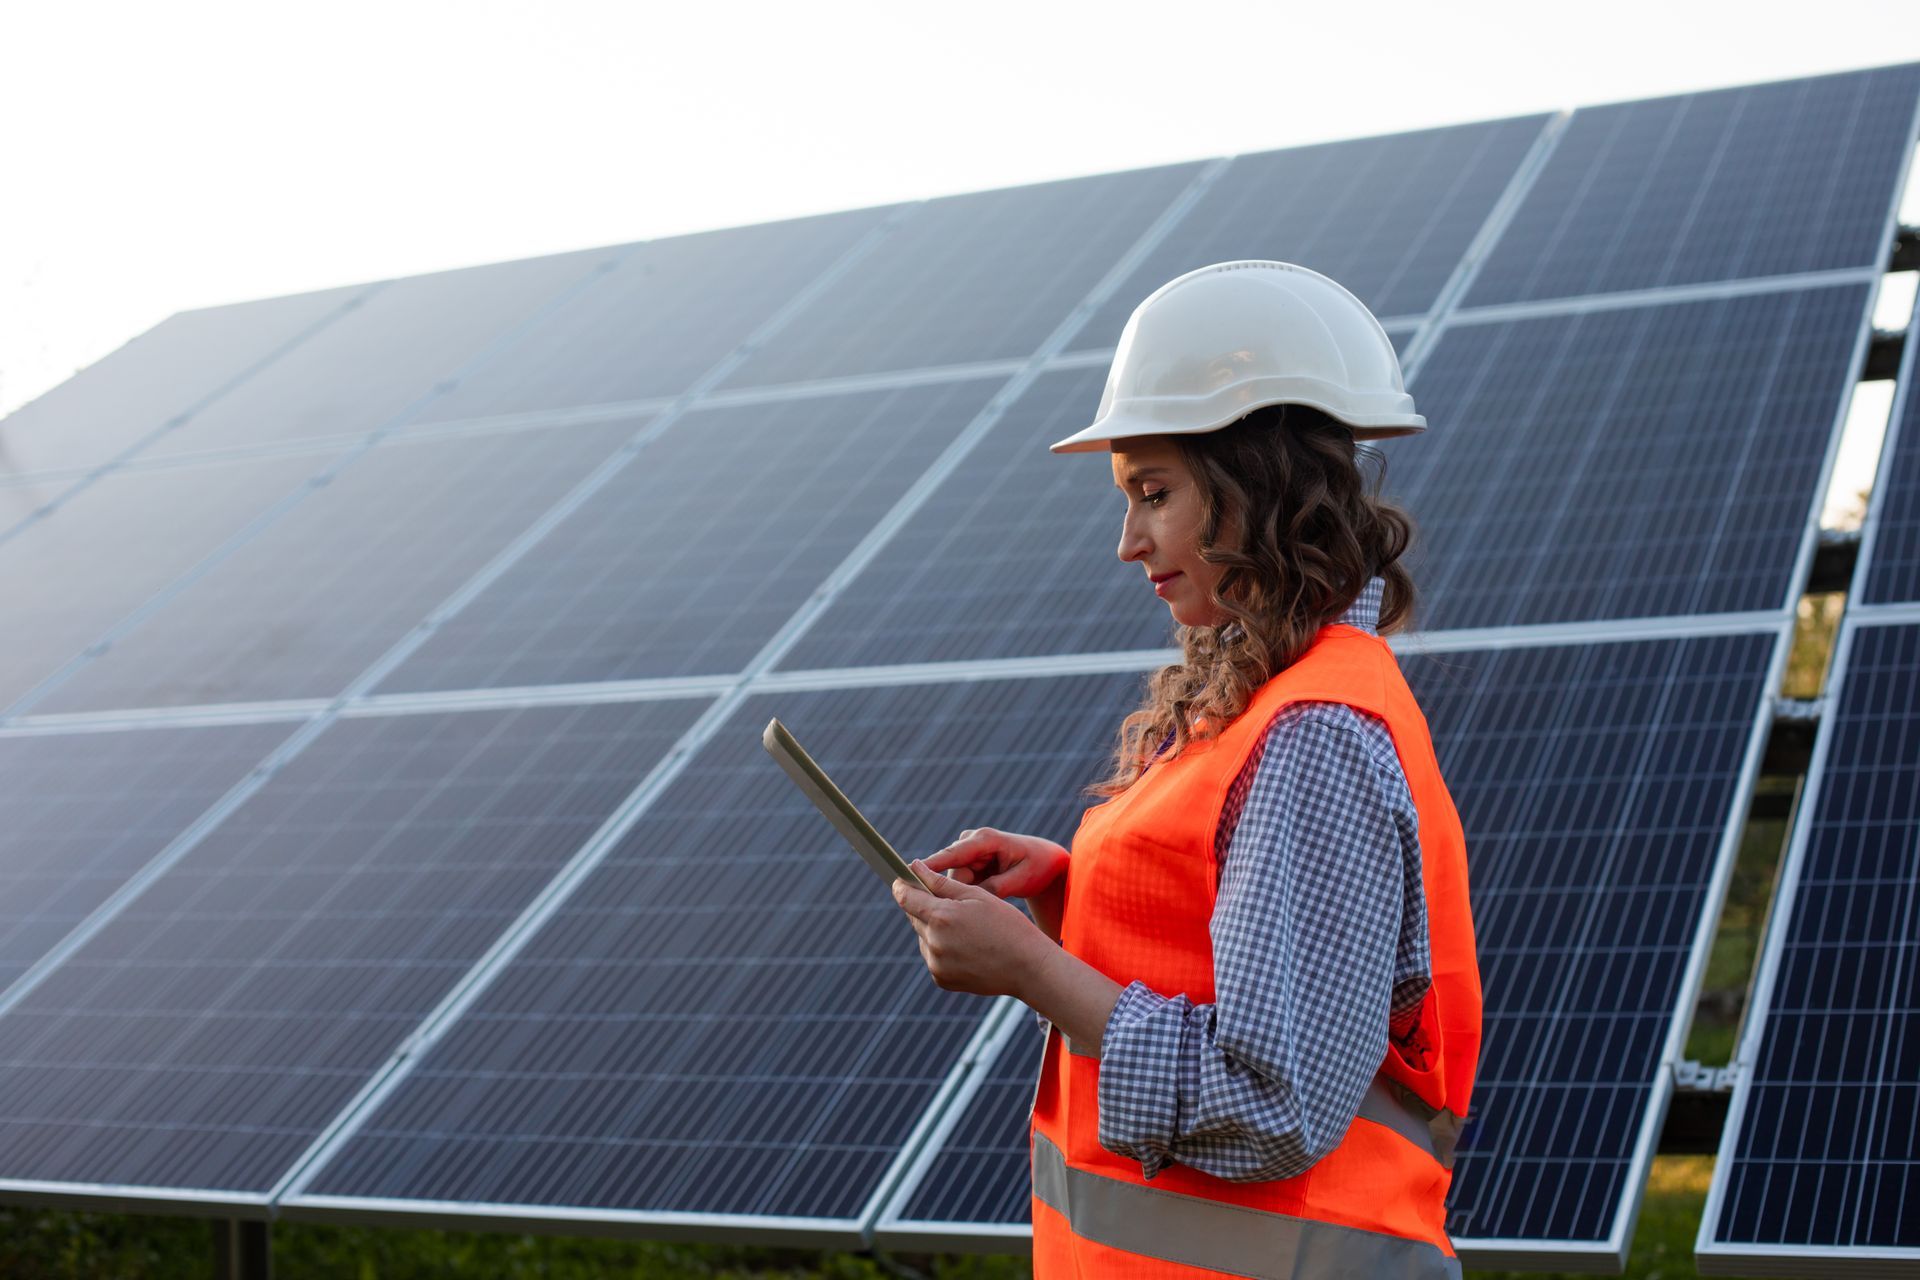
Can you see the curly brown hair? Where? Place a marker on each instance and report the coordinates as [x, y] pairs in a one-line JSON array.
[[1315, 530]]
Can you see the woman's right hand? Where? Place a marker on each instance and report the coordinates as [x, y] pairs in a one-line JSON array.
[[1004, 864]]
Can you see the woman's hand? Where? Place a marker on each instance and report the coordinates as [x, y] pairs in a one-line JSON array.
[[1004, 864], [973, 941], [970, 939]]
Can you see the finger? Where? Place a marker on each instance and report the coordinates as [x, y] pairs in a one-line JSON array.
[[915, 902], [959, 855], [940, 886]]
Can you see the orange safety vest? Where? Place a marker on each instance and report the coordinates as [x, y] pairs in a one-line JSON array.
[[1140, 894]]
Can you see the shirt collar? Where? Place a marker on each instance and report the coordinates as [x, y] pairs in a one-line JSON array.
[[1363, 613]]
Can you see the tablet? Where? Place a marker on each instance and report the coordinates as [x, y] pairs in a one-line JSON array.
[[830, 801]]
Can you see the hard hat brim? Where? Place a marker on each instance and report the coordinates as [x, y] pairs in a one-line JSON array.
[[1126, 426]]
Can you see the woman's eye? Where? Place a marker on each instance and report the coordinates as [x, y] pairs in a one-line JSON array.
[[1155, 496]]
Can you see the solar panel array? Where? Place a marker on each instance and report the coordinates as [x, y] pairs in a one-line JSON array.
[[1819, 1168], [391, 837]]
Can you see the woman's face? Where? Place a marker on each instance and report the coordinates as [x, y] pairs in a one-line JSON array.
[[1162, 527]]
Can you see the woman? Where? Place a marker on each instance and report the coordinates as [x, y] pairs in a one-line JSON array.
[[1256, 963]]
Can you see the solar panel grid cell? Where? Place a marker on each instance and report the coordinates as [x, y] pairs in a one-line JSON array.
[[210, 1031], [1757, 180], [1645, 461], [86, 811], [983, 276], [1012, 556], [1824, 1155], [1595, 784], [687, 565], [68, 579], [304, 607], [981, 1173], [185, 362], [380, 362], [667, 311], [1387, 217]]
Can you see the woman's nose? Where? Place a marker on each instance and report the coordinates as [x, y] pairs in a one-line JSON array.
[[1133, 543]]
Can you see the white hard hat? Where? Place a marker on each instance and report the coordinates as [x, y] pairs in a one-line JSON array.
[[1209, 347]]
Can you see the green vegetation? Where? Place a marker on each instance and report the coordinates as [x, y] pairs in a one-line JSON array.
[[52, 1245]]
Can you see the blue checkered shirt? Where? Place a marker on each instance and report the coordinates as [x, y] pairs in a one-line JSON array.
[[1319, 954]]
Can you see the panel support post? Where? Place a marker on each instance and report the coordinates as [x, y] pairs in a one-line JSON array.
[[242, 1249]]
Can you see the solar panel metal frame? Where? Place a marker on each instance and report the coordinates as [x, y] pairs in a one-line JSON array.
[[1904, 400], [1727, 1258], [1714, 1256], [1904, 168], [892, 1231], [653, 1224]]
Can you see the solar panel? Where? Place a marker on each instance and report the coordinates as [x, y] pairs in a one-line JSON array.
[[680, 567], [979, 1172], [1596, 784], [730, 1015], [109, 548], [1641, 461], [209, 1032], [180, 365], [374, 366], [86, 811], [1891, 542], [1819, 1167], [1645, 461], [1759, 180], [663, 314], [1013, 555], [1387, 217], [986, 276], [305, 606]]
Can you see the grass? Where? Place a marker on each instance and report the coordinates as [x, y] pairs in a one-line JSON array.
[[44, 1244]]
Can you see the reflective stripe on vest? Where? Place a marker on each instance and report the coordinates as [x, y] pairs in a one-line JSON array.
[[1391, 1103], [1197, 1232]]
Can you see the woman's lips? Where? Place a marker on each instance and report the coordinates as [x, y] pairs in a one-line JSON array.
[[1160, 587]]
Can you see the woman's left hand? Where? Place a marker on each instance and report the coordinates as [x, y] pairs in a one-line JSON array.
[[971, 940]]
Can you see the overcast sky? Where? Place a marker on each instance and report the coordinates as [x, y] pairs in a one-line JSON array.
[[159, 157]]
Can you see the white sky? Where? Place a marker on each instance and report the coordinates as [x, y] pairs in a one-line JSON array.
[[158, 157]]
